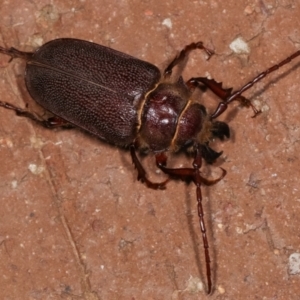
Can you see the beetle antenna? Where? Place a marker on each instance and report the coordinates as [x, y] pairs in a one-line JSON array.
[[237, 94]]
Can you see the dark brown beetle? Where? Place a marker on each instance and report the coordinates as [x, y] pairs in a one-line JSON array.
[[129, 103]]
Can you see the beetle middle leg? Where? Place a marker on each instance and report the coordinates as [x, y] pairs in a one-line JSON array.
[[52, 122], [184, 54], [193, 174], [142, 173]]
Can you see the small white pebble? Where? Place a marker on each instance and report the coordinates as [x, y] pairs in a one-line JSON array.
[[294, 263], [221, 290], [239, 46], [167, 22], [34, 169]]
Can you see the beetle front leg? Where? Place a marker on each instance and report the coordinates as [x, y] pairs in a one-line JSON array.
[[184, 54], [52, 122], [142, 176], [224, 94]]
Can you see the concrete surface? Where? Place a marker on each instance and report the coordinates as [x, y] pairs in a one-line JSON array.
[[74, 221]]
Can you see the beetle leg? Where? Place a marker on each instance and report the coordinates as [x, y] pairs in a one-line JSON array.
[[184, 54], [142, 173], [193, 174], [187, 174], [215, 87], [237, 94], [14, 53], [52, 122]]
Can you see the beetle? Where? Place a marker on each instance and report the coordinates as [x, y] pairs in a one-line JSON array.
[[129, 103]]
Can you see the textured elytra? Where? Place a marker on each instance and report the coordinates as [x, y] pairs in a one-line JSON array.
[[94, 87]]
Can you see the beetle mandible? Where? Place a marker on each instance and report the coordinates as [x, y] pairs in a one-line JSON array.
[[129, 103]]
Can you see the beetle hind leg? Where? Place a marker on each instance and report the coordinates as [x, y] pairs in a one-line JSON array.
[[52, 122], [14, 53]]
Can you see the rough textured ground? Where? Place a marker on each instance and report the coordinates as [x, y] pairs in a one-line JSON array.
[[75, 223]]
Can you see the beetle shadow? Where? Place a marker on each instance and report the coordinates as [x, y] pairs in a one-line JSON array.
[[275, 80]]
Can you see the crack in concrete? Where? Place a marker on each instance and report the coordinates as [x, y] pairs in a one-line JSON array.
[[87, 291]]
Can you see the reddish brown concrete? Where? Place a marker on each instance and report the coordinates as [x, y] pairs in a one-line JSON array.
[[75, 223]]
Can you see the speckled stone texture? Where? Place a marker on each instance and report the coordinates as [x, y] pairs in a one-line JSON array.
[[74, 221]]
